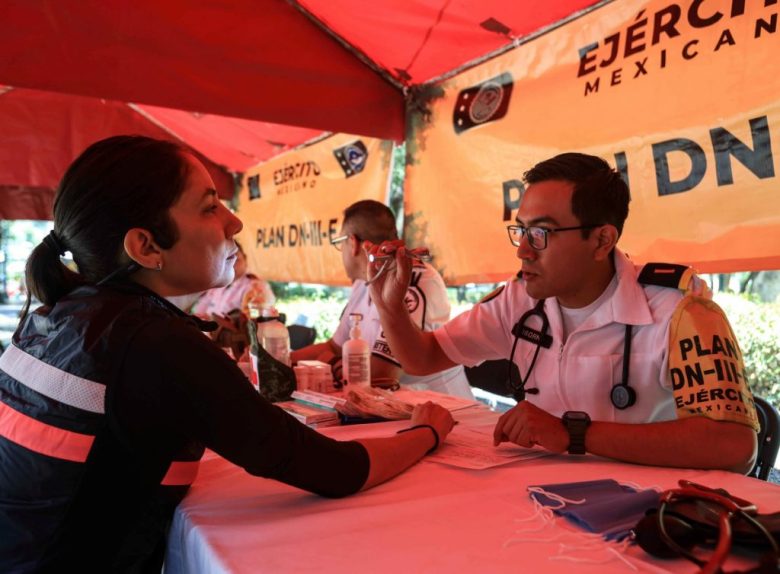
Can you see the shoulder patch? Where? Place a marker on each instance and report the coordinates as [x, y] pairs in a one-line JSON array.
[[706, 369], [666, 275], [493, 294]]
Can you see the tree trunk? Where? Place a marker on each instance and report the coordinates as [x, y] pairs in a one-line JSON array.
[[748, 282]]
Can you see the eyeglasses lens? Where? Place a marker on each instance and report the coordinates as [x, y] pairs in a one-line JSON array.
[[537, 236]]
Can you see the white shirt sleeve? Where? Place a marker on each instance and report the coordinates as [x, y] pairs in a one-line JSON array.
[[427, 303], [341, 334], [484, 332]]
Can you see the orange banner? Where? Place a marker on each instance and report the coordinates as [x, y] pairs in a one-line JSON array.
[[683, 98], [292, 205]]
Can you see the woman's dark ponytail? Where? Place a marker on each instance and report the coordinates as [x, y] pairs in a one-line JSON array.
[[116, 184], [47, 278]]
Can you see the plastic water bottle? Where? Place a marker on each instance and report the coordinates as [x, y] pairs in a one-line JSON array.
[[355, 355], [254, 307], [273, 335], [254, 354]]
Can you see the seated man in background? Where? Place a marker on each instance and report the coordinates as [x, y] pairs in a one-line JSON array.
[[638, 367], [425, 303]]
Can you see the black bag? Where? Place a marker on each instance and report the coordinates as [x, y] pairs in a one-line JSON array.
[[695, 515], [231, 332], [276, 380]]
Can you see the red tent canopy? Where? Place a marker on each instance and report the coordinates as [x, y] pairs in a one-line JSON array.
[[337, 65], [416, 42], [42, 132]]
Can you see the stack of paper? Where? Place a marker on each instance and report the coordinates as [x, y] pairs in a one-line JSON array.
[[309, 414], [317, 399]]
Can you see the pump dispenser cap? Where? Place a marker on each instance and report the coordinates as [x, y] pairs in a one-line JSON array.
[[354, 321]]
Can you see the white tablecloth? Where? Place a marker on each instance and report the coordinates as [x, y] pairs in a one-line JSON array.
[[432, 518]]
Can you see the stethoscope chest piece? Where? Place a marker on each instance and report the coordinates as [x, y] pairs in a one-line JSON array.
[[622, 396]]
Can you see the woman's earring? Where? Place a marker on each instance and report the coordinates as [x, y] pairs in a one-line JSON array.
[[159, 266]]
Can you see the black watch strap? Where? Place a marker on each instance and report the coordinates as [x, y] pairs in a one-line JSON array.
[[576, 424], [577, 440]]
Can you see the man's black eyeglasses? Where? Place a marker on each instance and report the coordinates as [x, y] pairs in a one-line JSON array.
[[338, 242], [537, 236]]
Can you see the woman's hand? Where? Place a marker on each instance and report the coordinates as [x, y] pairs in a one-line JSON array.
[[388, 288], [389, 456], [432, 414]]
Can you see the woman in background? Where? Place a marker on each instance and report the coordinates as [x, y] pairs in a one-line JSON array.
[[109, 393], [244, 288]]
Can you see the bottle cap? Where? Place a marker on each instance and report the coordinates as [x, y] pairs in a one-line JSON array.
[[269, 312]]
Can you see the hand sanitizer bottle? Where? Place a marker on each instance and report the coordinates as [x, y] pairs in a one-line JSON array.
[[356, 357]]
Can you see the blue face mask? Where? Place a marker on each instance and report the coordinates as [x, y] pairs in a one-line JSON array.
[[601, 506]]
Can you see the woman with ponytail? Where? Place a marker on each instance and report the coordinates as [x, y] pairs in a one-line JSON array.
[[109, 394]]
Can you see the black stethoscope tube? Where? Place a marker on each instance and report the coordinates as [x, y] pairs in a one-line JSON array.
[[621, 395]]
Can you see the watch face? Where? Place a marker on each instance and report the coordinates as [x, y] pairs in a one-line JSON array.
[[576, 416]]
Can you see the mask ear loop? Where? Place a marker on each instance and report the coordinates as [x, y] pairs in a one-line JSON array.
[[569, 543]]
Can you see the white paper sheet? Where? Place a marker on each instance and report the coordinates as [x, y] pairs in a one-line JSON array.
[[449, 402], [471, 446]]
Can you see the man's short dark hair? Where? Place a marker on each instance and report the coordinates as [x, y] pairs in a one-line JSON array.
[[600, 194], [371, 220]]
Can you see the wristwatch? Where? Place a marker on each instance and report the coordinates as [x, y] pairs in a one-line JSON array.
[[576, 422]]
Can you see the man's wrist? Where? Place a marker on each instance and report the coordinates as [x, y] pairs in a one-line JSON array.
[[394, 318], [392, 309], [576, 424]]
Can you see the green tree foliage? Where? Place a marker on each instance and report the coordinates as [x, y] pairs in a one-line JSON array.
[[757, 327], [320, 304]]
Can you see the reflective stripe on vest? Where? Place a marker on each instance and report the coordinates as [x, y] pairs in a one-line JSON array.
[[181, 473], [53, 382], [42, 438]]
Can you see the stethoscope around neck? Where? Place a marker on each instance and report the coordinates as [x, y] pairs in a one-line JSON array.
[[621, 395]]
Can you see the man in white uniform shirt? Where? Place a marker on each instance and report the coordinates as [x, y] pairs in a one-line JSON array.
[[636, 367], [425, 302]]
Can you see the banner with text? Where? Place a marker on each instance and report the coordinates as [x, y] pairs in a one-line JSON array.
[[683, 98], [293, 204]]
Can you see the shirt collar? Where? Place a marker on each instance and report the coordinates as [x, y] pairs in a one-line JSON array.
[[627, 305], [131, 287]]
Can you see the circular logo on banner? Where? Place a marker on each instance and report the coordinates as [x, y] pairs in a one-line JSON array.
[[412, 300], [486, 102], [356, 157]]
